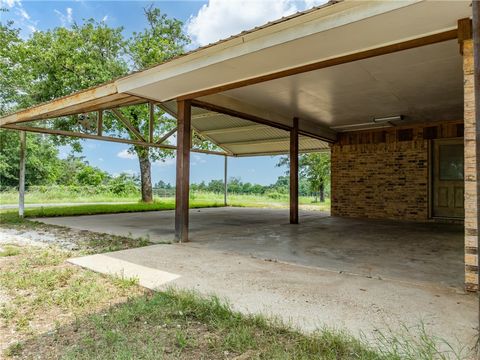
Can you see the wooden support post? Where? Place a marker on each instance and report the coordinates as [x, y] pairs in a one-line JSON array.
[[183, 170], [151, 121], [294, 172], [21, 177], [476, 92], [225, 181], [100, 123]]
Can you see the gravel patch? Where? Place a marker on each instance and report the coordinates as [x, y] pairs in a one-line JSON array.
[[33, 238]]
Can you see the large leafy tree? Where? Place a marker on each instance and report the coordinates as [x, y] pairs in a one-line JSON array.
[[58, 62], [161, 40], [315, 169], [42, 162]]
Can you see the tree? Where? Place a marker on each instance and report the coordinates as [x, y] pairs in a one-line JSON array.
[[58, 62], [315, 168], [160, 41], [42, 163]]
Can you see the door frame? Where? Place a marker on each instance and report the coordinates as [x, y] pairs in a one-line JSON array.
[[431, 178]]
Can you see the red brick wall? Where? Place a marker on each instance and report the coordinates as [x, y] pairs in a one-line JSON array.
[[384, 174], [382, 181]]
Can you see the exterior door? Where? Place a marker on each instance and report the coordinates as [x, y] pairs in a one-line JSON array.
[[448, 184]]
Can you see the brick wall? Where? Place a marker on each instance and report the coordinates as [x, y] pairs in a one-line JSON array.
[[382, 181], [471, 226], [384, 174]]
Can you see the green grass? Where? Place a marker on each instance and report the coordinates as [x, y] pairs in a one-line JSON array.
[[203, 201], [262, 201], [65, 196], [9, 250], [11, 216], [183, 325], [41, 287]]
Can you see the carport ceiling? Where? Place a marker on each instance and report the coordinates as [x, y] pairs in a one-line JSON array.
[[424, 84], [241, 137]]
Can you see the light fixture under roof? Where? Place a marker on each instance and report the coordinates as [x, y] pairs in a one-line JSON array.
[[388, 119], [376, 123]]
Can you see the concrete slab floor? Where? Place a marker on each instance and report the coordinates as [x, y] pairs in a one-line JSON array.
[[411, 252], [306, 297]]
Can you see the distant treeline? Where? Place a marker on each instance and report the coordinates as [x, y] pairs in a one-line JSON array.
[[279, 189]]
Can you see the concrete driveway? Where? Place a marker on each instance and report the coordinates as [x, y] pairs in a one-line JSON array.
[[306, 297], [358, 275], [410, 252]]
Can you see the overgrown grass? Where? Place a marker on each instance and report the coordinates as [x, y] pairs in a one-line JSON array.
[[65, 196], [11, 216], [43, 292], [56, 310], [281, 201], [183, 325]]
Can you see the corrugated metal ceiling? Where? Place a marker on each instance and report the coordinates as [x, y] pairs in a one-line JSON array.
[[241, 137]]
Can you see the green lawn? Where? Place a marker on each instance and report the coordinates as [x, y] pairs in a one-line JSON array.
[[9, 216], [65, 196]]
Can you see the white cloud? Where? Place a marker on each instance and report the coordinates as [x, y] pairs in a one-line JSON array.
[[24, 14], [66, 18], [124, 154], [219, 19], [165, 163], [198, 159], [69, 15], [22, 18], [311, 3], [9, 3]]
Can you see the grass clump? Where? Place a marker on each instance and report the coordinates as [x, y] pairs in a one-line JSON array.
[[9, 250]]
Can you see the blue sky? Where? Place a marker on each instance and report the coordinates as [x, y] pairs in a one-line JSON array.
[[205, 21]]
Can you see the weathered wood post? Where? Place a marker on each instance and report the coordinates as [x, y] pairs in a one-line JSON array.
[[476, 72], [294, 172], [465, 34], [225, 181], [183, 170], [21, 177]]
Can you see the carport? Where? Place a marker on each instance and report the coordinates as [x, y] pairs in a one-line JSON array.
[[387, 86]]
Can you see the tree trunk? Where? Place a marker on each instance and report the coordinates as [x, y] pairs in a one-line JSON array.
[[145, 175], [322, 193]]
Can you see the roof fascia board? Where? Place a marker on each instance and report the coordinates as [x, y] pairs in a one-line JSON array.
[[323, 19], [60, 103]]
